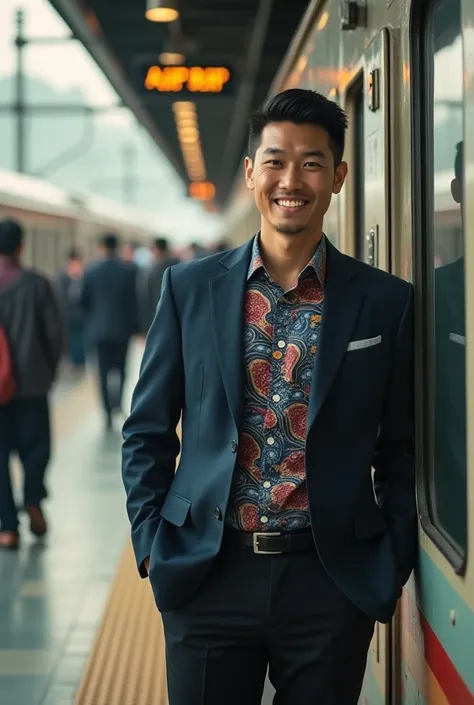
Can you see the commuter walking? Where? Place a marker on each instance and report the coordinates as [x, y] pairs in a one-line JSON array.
[[109, 299], [32, 332], [291, 368], [150, 280], [70, 286]]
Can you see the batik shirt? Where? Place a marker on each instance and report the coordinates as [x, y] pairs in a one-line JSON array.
[[281, 329]]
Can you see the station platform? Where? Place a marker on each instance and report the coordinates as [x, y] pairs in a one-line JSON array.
[[77, 624]]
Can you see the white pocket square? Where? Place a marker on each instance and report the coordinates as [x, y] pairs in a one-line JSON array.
[[365, 343], [456, 338]]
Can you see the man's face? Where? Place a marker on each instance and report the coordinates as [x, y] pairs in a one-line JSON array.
[[293, 176], [128, 253]]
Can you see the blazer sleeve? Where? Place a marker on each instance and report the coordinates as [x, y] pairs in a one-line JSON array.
[[151, 444], [394, 457]]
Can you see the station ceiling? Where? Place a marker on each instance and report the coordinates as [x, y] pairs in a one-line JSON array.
[[246, 38]]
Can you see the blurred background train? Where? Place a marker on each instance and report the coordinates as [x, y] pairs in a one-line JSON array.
[[406, 80], [55, 220]]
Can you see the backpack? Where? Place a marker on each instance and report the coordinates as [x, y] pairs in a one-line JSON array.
[[7, 377]]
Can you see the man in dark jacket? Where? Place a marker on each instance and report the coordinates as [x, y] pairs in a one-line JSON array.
[[30, 317], [69, 286], [149, 282], [109, 299]]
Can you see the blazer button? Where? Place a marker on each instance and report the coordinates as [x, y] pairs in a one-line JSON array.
[[234, 446], [218, 513]]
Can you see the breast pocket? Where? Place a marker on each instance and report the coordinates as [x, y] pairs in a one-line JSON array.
[[364, 343]]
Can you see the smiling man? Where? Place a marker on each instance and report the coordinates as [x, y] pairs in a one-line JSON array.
[[292, 368]]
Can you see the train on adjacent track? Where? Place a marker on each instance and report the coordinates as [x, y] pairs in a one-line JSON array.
[[404, 72], [56, 220]]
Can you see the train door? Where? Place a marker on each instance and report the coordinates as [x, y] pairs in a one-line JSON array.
[[438, 625], [368, 222]]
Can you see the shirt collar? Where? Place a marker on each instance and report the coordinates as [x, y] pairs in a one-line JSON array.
[[317, 261]]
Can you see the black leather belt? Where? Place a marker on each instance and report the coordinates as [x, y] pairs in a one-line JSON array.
[[274, 542]]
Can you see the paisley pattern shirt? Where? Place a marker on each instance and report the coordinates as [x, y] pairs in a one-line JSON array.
[[281, 329]]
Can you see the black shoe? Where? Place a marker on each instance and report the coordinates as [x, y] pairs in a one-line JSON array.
[[9, 540], [38, 525]]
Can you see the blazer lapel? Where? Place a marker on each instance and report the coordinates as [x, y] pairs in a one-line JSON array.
[[227, 292], [342, 303]]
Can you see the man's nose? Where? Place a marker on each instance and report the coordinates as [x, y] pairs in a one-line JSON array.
[[291, 178]]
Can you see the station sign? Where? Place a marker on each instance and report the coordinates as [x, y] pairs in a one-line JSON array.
[[175, 81]]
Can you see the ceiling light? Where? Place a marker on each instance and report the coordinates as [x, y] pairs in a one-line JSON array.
[[171, 58], [183, 106], [323, 20], [188, 132], [183, 123], [162, 10], [174, 52]]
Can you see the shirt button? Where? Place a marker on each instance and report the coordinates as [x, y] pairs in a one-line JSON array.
[[270, 441], [218, 513], [281, 343], [234, 446], [264, 520], [276, 397], [267, 484]]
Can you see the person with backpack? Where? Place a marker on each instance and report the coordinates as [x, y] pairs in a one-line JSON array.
[[31, 344]]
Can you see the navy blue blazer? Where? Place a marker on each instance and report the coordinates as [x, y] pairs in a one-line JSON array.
[[360, 416], [109, 297]]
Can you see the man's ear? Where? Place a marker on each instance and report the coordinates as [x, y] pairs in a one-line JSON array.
[[249, 173], [339, 177]]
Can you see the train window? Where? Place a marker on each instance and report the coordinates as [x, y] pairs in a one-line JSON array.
[[440, 235]]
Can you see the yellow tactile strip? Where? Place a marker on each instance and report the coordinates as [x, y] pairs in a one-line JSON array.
[[127, 662]]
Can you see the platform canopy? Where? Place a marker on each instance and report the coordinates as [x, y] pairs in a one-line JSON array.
[[230, 53]]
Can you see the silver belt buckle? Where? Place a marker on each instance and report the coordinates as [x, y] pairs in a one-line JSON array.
[[256, 537]]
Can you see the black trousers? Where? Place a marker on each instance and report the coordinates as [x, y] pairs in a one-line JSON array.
[[24, 429], [111, 357], [254, 611]]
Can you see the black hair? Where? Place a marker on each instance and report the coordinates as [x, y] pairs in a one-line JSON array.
[[302, 107], [161, 244], [74, 253], [11, 236], [110, 242], [459, 161]]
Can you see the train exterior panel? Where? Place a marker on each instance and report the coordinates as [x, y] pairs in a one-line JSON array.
[[55, 220], [405, 75]]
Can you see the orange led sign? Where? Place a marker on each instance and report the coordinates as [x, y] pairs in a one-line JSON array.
[[187, 79]]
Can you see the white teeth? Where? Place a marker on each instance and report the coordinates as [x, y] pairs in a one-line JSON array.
[[290, 204]]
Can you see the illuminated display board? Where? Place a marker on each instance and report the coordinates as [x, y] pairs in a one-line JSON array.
[[186, 80]]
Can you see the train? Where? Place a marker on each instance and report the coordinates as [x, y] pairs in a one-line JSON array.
[[55, 220], [403, 70]]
